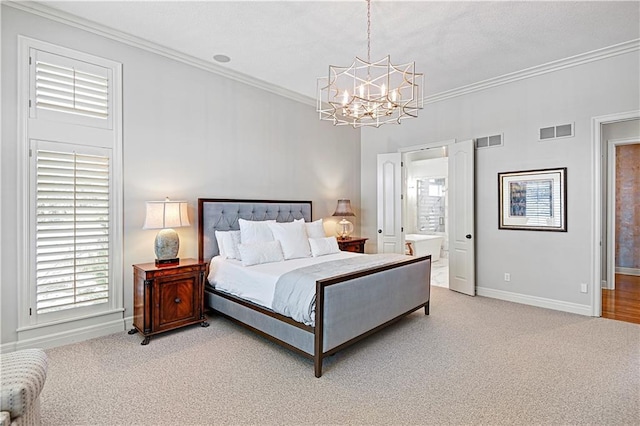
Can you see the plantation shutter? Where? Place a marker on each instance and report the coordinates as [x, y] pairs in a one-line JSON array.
[[70, 90], [72, 226]]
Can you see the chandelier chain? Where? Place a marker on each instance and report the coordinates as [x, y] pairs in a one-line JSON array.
[[369, 31]]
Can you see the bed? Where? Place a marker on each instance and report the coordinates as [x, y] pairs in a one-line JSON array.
[[347, 307]]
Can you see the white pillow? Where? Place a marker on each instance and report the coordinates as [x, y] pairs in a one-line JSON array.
[[220, 237], [258, 253], [293, 239], [253, 231], [322, 246], [228, 242], [314, 229]]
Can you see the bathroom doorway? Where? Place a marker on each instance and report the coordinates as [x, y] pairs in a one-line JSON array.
[[426, 208], [397, 216]]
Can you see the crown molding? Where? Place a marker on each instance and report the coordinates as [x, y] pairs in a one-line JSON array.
[[104, 31], [572, 61], [122, 37]]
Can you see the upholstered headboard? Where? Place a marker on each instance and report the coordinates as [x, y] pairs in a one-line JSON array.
[[222, 215]]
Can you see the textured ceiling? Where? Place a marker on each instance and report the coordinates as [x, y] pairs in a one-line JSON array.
[[289, 44]]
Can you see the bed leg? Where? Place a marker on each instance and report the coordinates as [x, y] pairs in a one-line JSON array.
[[317, 365], [426, 309]]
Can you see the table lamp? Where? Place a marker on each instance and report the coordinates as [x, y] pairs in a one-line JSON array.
[[166, 215], [344, 228]]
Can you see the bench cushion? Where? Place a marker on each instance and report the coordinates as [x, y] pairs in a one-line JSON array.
[[21, 380]]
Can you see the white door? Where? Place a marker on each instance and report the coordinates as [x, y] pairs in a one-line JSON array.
[[462, 277], [390, 237]]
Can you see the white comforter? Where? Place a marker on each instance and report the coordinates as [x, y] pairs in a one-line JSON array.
[[257, 283]]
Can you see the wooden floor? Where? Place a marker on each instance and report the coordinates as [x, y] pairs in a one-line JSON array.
[[623, 303]]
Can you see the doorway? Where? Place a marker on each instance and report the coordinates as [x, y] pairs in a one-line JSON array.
[[426, 208], [459, 200], [604, 129], [621, 292]]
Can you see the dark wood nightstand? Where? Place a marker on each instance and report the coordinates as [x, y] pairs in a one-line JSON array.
[[167, 297], [354, 244]]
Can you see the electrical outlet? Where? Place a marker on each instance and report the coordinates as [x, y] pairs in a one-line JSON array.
[[583, 288], [507, 276]]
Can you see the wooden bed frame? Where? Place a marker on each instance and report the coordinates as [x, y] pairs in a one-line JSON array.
[[349, 307]]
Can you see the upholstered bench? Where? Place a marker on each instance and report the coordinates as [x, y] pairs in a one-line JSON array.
[[22, 376]]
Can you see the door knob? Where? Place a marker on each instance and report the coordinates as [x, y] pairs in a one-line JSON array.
[[177, 300], [379, 231], [468, 236]]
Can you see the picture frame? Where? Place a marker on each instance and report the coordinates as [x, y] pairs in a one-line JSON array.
[[533, 200]]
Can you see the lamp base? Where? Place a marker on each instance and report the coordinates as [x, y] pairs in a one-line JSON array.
[[167, 262], [344, 228]]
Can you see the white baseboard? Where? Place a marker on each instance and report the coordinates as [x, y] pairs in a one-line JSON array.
[[540, 302], [65, 337], [128, 323], [628, 271]]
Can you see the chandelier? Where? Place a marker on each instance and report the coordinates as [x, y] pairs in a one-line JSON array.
[[370, 93]]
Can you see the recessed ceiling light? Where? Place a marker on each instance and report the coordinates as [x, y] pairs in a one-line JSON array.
[[222, 58]]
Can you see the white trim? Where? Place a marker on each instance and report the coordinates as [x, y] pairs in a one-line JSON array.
[[65, 337], [104, 31], [424, 146], [611, 207], [572, 61], [596, 200], [628, 271], [27, 131], [128, 323], [541, 302]]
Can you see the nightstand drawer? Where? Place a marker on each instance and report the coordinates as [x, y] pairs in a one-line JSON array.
[[353, 244]]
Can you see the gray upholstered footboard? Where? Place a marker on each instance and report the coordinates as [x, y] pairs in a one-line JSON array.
[[348, 309]]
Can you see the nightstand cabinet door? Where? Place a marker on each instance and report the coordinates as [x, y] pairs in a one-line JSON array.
[[176, 301], [167, 297]]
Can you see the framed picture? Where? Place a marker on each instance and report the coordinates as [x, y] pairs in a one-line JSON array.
[[533, 200]]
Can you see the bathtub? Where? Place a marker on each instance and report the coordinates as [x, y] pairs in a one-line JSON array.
[[423, 245]]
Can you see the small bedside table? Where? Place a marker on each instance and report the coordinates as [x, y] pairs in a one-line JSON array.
[[354, 244], [167, 297]]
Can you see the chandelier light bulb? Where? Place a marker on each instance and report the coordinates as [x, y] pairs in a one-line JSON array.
[[345, 98]]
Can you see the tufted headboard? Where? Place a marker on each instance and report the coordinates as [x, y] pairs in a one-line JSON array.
[[222, 215]]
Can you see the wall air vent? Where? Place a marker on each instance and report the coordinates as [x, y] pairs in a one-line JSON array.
[[489, 141], [556, 132]]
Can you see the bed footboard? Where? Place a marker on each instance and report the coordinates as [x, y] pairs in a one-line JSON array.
[[353, 306]]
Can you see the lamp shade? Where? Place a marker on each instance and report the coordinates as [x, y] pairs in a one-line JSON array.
[[166, 214], [343, 208]]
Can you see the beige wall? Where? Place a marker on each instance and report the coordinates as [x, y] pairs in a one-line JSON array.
[[546, 268], [187, 133]]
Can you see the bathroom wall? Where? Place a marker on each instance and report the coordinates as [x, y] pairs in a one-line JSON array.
[[425, 168], [628, 206]]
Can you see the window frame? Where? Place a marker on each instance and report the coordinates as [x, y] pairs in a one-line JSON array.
[[33, 128]]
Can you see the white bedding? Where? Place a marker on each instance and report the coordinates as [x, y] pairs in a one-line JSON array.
[[257, 283]]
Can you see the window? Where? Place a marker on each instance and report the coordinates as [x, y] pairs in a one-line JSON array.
[[68, 90], [72, 262], [71, 227]]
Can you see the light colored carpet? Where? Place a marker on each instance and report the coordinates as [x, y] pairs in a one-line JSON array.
[[472, 361]]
